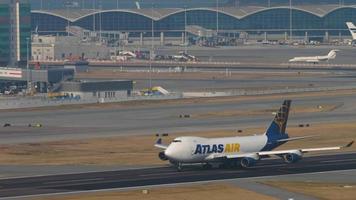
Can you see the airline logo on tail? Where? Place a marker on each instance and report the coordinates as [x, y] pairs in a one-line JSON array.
[[352, 29], [281, 117], [280, 120]]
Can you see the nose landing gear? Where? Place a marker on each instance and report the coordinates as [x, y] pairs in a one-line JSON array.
[[179, 167]]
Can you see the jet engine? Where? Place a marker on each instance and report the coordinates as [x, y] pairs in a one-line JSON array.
[[247, 162], [162, 156], [250, 161], [293, 157]]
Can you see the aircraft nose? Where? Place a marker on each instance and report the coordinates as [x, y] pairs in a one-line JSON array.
[[169, 153]]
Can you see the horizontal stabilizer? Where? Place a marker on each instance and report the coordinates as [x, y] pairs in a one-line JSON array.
[[160, 145]]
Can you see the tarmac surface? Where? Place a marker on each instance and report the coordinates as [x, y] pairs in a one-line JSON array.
[[322, 78], [66, 124], [264, 53], [95, 181], [245, 57], [79, 123]]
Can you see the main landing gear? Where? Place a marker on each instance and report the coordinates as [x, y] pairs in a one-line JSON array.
[[230, 164]]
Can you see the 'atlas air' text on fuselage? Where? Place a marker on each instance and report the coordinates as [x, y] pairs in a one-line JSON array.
[[217, 148]]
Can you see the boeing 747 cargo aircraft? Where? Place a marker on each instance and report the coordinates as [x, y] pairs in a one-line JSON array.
[[243, 151]]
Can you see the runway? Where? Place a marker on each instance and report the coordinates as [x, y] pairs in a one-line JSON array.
[[167, 175]]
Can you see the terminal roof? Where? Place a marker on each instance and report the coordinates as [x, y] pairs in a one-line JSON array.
[[160, 13]]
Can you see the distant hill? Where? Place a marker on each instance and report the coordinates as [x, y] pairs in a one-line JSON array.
[[127, 4]]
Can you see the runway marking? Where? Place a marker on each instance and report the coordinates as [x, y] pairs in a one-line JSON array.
[[275, 165], [73, 181], [155, 174], [333, 161], [169, 184], [88, 172]]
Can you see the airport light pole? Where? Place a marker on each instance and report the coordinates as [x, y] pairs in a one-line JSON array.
[[217, 17], [67, 6], [94, 16], [151, 51], [185, 30], [100, 8], [290, 22], [28, 66]]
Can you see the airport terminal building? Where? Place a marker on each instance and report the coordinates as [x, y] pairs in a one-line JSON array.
[[300, 21]]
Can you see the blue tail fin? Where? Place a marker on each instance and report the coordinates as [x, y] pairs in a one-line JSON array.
[[277, 129]]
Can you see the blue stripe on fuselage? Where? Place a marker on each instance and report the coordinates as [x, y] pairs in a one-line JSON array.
[[272, 141]]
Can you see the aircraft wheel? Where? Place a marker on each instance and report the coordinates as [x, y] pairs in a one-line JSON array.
[[233, 164]]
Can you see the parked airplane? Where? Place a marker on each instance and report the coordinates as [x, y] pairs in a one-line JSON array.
[[315, 59], [242, 151], [128, 54], [182, 56], [352, 29]]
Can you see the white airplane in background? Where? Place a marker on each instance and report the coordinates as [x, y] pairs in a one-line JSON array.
[[182, 56], [315, 59], [352, 29], [237, 151]]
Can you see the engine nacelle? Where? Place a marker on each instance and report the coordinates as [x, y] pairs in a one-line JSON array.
[[248, 162], [292, 157], [162, 156]]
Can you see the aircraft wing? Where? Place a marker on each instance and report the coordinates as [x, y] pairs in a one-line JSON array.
[[277, 153], [230, 156], [282, 152]]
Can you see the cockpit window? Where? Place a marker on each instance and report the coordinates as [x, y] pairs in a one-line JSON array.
[[177, 140]]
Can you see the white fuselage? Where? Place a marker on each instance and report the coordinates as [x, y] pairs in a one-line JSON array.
[[198, 149], [316, 59], [312, 59]]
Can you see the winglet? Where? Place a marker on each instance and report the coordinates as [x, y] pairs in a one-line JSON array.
[[350, 144], [159, 141]]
